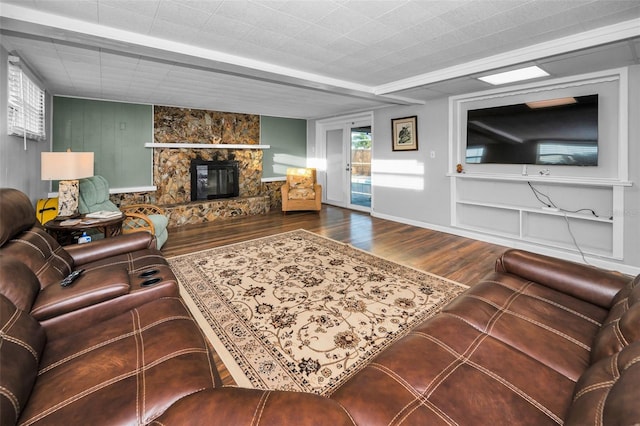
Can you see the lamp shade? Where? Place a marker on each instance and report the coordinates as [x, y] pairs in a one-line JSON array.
[[66, 165]]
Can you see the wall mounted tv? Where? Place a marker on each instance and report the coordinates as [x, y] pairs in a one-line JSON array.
[[561, 131]]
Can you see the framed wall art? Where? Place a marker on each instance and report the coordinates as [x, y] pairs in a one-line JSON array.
[[404, 133]]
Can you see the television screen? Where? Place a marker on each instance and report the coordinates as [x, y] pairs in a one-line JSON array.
[[561, 131]]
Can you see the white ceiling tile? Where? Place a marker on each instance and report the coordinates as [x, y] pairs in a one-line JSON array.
[[406, 15], [144, 7], [343, 21], [80, 9], [182, 14], [373, 33], [372, 9], [306, 10], [125, 19], [208, 6]]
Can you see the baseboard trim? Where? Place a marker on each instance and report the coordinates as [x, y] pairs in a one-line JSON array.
[[594, 261]]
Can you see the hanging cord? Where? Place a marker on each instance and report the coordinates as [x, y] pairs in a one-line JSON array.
[[541, 196], [574, 239], [550, 203]]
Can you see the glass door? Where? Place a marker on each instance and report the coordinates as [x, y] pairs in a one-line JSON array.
[[360, 168], [344, 147], [334, 192]]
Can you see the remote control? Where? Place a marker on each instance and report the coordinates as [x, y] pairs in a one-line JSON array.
[[71, 278]]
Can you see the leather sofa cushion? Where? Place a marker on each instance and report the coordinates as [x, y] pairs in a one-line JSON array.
[[21, 343], [446, 371], [17, 213], [90, 288], [588, 283], [522, 314], [256, 407], [606, 393], [18, 283], [622, 325], [126, 370], [522, 343], [42, 254]]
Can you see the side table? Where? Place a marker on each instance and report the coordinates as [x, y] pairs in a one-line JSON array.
[[65, 234]]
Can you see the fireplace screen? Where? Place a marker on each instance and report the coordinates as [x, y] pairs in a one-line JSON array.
[[214, 179]]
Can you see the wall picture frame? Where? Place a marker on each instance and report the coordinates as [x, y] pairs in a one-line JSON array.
[[404, 132]]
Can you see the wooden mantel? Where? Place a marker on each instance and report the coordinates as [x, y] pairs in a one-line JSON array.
[[205, 146]]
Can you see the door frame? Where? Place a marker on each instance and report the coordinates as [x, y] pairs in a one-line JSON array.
[[344, 123]]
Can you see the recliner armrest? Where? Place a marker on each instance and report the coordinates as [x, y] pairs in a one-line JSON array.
[[585, 282], [88, 289], [101, 249]]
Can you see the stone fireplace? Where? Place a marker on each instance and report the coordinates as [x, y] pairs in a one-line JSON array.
[[214, 179], [205, 136]]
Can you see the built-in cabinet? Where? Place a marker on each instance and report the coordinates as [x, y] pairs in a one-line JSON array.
[[588, 219], [510, 202]]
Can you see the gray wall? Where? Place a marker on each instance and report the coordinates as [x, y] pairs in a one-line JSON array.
[[632, 195], [410, 184], [20, 168]]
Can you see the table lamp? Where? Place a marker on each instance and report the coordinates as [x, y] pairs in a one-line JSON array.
[[67, 167]]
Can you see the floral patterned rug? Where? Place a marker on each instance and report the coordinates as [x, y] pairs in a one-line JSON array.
[[297, 311]]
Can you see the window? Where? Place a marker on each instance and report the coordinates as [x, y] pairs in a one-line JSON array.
[[568, 153], [474, 155], [25, 106]]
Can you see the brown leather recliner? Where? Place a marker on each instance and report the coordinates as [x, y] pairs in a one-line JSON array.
[[126, 370], [118, 272]]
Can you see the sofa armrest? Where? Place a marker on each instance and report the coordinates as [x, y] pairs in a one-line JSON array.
[[88, 289], [594, 285], [241, 406], [284, 190], [101, 249]]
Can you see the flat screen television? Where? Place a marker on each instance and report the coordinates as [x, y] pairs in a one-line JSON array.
[[561, 131]]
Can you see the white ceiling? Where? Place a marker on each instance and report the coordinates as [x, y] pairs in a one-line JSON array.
[[307, 59]]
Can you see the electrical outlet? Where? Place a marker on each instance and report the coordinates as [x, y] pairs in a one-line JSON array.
[[432, 154]]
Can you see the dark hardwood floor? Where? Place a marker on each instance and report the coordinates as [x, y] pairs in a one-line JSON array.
[[457, 258]]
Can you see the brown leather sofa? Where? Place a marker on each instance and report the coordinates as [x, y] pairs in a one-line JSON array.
[[539, 341]]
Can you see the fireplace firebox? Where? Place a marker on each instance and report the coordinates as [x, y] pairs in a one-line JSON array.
[[214, 179]]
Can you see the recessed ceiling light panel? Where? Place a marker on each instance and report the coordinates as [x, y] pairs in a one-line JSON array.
[[514, 75]]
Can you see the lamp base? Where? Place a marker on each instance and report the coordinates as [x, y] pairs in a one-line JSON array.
[[68, 193]]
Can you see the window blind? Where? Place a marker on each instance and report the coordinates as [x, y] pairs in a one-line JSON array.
[[25, 106]]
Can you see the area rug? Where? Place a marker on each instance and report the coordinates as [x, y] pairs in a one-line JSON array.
[[300, 312]]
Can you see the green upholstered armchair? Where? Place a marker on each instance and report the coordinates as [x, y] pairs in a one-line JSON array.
[[94, 196]]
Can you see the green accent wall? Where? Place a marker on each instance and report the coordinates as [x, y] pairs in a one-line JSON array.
[[115, 132], [288, 140]]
